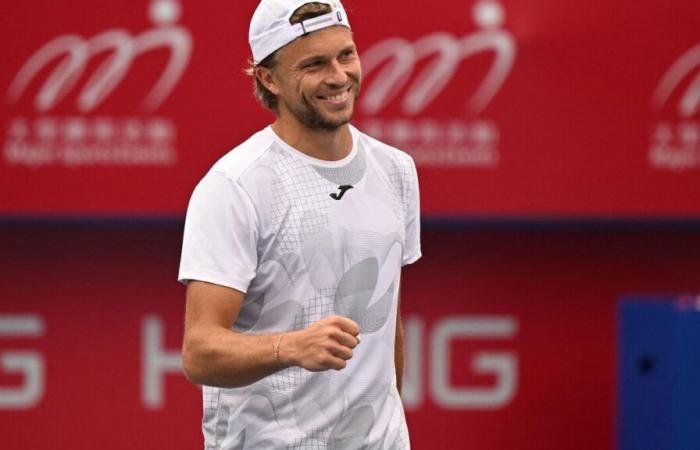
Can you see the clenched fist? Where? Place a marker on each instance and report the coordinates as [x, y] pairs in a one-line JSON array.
[[326, 344]]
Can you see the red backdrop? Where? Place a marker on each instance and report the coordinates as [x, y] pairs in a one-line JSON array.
[[510, 108], [543, 300], [576, 109]]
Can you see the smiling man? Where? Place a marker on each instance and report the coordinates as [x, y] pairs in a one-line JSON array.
[[292, 255]]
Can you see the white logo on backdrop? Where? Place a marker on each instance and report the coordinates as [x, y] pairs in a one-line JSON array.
[[456, 141], [676, 144], [77, 140]]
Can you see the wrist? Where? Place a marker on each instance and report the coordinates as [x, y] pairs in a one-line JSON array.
[[283, 351]]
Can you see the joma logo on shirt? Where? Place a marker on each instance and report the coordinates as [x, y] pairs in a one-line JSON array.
[[343, 190]]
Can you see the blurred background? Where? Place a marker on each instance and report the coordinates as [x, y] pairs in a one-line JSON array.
[[558, 150]]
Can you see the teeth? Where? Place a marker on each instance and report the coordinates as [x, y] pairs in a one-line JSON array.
[[336, 98]]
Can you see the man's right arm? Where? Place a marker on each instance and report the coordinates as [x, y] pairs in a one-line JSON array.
[[215, 355]]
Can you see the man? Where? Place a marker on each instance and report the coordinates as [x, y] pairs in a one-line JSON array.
[[292, 255]]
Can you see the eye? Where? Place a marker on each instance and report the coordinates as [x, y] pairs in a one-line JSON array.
[[347, 55], [312, 65]]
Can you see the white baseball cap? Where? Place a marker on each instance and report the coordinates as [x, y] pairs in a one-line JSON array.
[[270, 29]]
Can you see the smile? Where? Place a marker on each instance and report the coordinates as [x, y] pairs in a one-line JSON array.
[[337, 98]]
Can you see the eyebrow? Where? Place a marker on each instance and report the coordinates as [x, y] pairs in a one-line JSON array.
[[319, 58]]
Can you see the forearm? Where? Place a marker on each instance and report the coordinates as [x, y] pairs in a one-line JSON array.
[[215, 356]]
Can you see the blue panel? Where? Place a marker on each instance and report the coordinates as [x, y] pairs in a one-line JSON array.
[[645, 340], [686, 378], [659, 367]]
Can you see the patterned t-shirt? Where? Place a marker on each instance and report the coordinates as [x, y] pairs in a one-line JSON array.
[[306, 239]]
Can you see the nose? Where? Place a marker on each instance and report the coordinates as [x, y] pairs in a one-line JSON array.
[[336, 75]]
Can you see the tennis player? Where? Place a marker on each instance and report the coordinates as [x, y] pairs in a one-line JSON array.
[[293, 247]]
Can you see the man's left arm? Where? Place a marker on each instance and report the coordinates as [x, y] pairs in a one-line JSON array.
[[411, 254], [398, 346]]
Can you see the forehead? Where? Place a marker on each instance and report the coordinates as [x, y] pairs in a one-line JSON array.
[[325, 42]]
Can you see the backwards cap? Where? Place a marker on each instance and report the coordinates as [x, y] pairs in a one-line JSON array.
[[270, 29]]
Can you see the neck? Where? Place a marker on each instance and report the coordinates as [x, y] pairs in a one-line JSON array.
[[327, 145]]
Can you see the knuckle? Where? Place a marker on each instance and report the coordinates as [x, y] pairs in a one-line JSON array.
[[332, 330]]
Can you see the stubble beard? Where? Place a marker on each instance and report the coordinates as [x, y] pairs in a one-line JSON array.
[[313, 118]]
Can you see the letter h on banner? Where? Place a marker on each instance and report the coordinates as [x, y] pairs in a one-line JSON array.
[[156, 362]]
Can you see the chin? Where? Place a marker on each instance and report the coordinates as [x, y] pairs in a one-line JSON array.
[[315, 116], [333, 123]]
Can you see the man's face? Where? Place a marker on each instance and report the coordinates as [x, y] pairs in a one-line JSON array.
[[318, 78]]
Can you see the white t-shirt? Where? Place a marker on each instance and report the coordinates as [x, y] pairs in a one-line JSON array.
[[306, 239]]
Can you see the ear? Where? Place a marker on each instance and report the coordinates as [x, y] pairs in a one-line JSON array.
[[266, 77]]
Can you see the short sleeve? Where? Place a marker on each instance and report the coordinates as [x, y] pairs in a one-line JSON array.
[[220, 239], [412, 251]]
